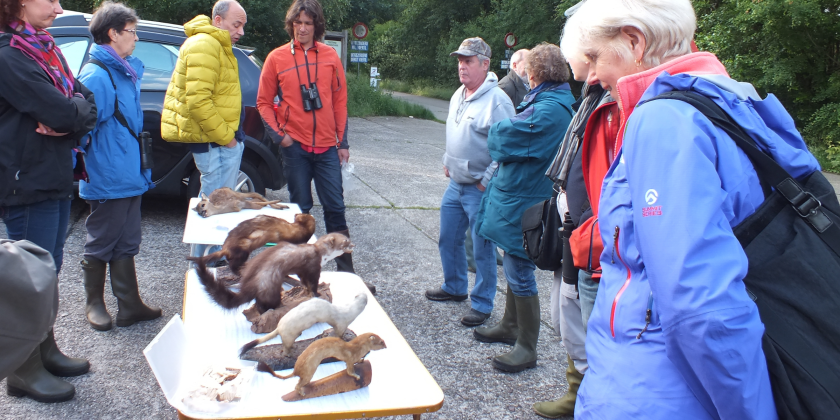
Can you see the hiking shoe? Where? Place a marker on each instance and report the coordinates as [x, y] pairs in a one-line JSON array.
[[474, 318], [439, 295]]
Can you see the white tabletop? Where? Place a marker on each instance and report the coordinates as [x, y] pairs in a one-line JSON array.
[[213, 230], [400, 383]]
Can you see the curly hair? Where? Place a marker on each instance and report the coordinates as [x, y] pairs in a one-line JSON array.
[[109, 16], [9, 11], [546, 63], [313, 9]]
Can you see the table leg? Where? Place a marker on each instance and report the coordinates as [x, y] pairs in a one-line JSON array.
[[417, 416]]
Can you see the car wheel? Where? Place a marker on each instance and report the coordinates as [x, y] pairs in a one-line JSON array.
[[249, 179]]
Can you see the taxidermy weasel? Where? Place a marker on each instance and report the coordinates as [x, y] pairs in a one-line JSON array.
[[263, 276], [350, 353], [254, 233], [226, 200], [308, 314]]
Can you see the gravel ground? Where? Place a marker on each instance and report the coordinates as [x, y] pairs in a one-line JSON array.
[[393, 213]]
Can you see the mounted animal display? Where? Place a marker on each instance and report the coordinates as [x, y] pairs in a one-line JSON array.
[[226, 200], [263, 276], [308, 314], [254, 233], [349, 352]]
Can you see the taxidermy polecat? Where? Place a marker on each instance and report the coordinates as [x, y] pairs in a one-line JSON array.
[[309, 313], [226, 200], [349, 352], [254, 233], [263, 276]]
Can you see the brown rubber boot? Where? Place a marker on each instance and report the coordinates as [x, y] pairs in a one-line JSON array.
[[506, 330], [524, 353], [565, 405], [124, 284], [97, 314], [57, 362], [34, 381]]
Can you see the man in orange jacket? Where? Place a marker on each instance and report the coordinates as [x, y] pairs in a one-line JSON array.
[[310, 119]]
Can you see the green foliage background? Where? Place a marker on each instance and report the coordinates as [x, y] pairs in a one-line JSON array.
[[790, 48]]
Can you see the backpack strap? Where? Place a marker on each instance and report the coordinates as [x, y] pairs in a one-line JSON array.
[[117, 114], [806, 205]]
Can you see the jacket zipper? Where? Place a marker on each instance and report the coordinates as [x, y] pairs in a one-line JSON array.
[[623, 287], [314, 122], [647, 316]]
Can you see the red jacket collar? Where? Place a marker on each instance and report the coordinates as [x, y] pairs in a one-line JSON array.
[[299, 47]]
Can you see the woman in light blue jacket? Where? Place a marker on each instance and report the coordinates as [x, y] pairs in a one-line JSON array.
[[115, 179]]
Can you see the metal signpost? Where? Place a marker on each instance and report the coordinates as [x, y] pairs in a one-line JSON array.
[[360, 31]]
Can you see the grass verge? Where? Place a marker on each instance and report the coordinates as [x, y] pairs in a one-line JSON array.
[[420, 87], [363, 101]]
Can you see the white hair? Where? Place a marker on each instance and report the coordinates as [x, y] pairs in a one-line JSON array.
[[668, 27], [519, 55], [221, 8]]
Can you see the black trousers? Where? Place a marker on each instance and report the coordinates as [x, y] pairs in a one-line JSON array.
[[113, 229]]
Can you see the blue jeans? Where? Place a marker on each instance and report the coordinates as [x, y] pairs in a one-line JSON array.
[[43, 223], [520, 275], [219, 167], [301, 167], [458, 208], [588, 290]]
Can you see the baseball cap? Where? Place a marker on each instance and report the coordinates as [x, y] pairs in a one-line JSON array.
[[473, 46]]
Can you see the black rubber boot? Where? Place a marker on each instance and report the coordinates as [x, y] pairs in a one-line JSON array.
[[57, 362], [34, 381], [506, 330], [97, 314], [124, 284], [524, 353], [344, 262]]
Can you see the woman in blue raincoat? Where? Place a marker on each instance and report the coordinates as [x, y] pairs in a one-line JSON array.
[[115, 179], [524, 147]]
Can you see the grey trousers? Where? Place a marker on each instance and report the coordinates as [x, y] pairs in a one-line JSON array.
[[566, 317], [113, 229]]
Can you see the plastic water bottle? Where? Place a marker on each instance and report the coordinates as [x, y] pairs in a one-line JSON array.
[[347, 175]]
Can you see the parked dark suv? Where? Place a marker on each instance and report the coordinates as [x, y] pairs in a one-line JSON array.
[[174, 172]]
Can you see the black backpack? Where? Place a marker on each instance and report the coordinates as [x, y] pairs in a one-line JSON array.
[[793, 245]]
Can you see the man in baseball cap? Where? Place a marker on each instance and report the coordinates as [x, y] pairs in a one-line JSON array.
[[473, 109]]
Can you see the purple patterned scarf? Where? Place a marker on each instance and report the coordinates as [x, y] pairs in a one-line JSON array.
[[39, 46], [130, 70]]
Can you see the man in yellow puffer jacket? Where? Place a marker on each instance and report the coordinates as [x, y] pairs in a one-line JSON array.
[[204, 101]]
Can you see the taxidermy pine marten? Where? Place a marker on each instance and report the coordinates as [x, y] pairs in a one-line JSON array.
[[307, 314], [350, 353], [254, 233], [226, 200], [263, 276]]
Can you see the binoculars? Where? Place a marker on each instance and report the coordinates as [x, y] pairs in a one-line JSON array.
[[311, 98], [146, 159]]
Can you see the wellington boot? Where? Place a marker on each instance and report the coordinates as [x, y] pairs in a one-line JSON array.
[[524, 353], [506, 330], [57, 362], [124, 284], [565, 405], [344, 262], [32, 380], [97, 314]]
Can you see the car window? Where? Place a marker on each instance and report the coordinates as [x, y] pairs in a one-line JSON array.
[[74, 49], [159, 60]]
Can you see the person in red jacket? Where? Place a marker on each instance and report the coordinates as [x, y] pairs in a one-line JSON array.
[[309, 120]]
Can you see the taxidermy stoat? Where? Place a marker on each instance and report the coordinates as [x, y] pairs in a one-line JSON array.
[[308, 314], [226, 200], [254, 233], [350, 353], [263, 276]]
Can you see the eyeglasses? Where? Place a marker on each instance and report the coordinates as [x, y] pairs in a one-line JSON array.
[[133, 31]]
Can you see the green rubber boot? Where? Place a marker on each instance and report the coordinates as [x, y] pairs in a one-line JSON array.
[[506, 330], [524, 353], [565, 405], [124, 285]]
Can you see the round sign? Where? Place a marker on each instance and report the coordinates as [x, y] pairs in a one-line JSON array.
[[511, 40], [360, 30]]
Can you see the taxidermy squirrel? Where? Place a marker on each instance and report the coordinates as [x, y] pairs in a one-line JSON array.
[[308, 314], [350, 353], [226, 200], [263, 276], [254, 233]]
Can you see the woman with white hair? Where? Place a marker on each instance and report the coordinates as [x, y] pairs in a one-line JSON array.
[[674, 333]]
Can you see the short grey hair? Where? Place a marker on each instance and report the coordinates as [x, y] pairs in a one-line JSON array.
[[482, 58], [110, 15], [221, 8], [517, 56], [668, 27]]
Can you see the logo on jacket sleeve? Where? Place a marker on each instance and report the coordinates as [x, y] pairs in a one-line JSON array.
[[651, 196]]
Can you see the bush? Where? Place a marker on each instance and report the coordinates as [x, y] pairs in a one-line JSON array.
[[364, 101], [422, 87]]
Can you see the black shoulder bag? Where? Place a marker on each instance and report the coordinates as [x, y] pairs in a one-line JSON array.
[[541, 225], [144, 139], [793, 245]]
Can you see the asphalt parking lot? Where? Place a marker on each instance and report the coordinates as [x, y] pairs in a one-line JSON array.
[[393, 214]]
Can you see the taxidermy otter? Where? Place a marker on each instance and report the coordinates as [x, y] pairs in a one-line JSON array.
[[226, 200], [308, 314], [349, 352], [263, 276], [254, 233]]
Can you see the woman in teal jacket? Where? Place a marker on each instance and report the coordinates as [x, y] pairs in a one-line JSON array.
[[524, 147], [115, 180]]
